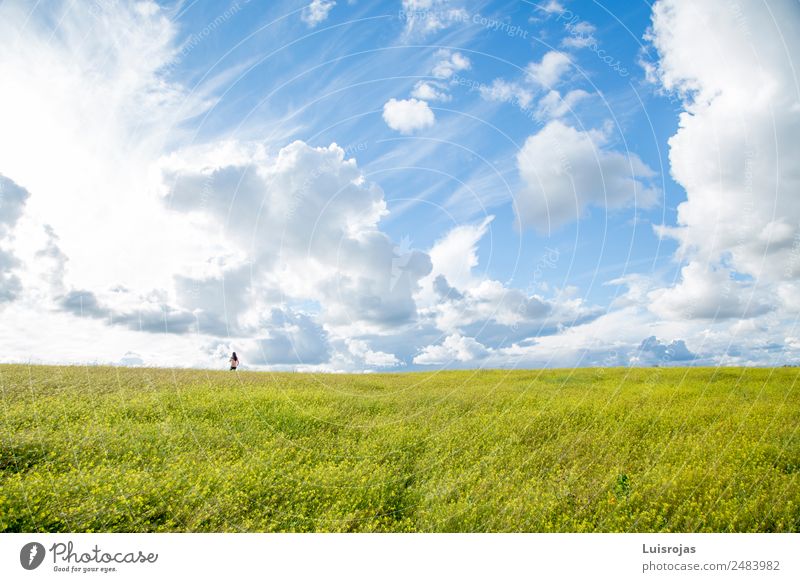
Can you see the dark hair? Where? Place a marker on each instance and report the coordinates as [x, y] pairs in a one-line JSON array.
[[234, 356]]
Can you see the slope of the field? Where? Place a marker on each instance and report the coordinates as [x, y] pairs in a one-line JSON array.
[[116, 449]]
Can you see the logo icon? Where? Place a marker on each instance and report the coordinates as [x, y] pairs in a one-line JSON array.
[[31, 555]]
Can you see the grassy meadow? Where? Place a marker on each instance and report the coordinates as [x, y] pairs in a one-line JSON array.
[[588, 450]]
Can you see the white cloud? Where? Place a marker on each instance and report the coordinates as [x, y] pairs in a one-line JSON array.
[[430, 91], [454, 348], [507, 92], [10, 286], [542, 75], [490, 307], [293, 338], [736, 296], [565, 171], [12, 203], [789, 296], [553, 105], [732, 67], [50, 264], [581, 35], [280, 248], [551, 7], [131, 359], [215, 237], [706, 292], [307, 220], [550, 69], [86, 109], [455, 255], [367, 357], [654, 351], [459, 300], [736, 148], [450, 63], [407, 115], [317, 12]]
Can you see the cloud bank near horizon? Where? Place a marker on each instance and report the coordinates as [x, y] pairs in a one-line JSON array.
[[124, 216]]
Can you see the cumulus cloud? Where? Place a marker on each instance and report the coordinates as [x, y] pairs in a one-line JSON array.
[[731, 66], [454, 348], [735, 152], [12, 203], [294, 338], [581, 35], [317, 12], [150, 316], [565, 171], [549, 70], [235, 229], [366, 357], [707, 292], [554, 105], [444, 290], [217, 302], [82, 303], [53, 259], [10, 285], [407, 115], [455, 255], [450, 63], [95, 82], [487, 302], [551, 7], [459, 300], [307, 222], [280, 247], [131, 359], [533, 92], [430, 91], [655, 351], [507, 92]]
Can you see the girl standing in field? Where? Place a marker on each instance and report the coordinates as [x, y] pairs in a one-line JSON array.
[[234, 361]]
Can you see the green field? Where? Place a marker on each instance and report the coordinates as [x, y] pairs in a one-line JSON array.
[[122, 449]]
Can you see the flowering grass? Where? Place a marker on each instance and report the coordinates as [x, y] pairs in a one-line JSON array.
[[588, 450]]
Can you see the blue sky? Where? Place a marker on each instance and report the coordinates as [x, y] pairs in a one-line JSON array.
[[410, 184]]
